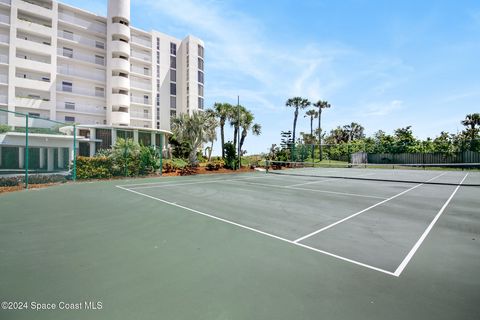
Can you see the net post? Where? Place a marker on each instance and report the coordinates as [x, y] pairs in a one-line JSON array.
[[267, 165], [26, 152], [74, 172], [161, 152]]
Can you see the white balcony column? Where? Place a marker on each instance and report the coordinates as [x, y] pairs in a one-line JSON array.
[[42, 157], [135, 136], [50, 156], [114, 136], [152, 142], [92, 148], [60, 157], [21, 157], [71, 155]]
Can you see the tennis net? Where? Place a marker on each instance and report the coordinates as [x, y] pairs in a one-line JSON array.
[[436, 174]]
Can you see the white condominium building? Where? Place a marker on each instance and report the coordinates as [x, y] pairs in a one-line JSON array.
[[63, 63]]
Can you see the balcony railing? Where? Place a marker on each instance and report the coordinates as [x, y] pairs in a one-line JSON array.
[[81, 91], [3, 58], [4, 38], [3, 99], [38, 23], [140, 115], [4, 19], [82, 40], [141, 85], [82, 108], [90, 25], [141, 41], [45, 5], [6, 1], [82, 57], [92, 75], [140, 70], [3, 78], [141, 56], [141, 100]]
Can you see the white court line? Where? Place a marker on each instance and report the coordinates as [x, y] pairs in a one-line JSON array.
[[313, 190], [318, 181], [417, 245], [364, 210], [187, 183], [260, 232]]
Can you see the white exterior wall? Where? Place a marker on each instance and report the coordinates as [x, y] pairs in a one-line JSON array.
[[34, 66]]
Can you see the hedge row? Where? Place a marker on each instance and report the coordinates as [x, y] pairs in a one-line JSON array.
[[32, 179]]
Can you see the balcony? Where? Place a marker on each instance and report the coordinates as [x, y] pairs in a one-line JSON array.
[[36, 7], [141, 41], [120, 29], [141, 85], [32, 65], [4, 19], [3, 99], [4, 38], [34, 27], [120, 118], [4, 58], [32, 103], [120, 82], [140, 100], [121, 47], [96, 75], [140, 70], [83, 108], [119, 64], [32, 84], [81, 91], [91, 26], [141, 115], [88, 42], [90, 58], [3, 79], [5, 1], [141, 56], [32, 46], [119, 99]]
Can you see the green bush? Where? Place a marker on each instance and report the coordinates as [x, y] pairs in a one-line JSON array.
[[231, 161], [46, 178], [172, 165], [94, 168], [215, 165], [10, 181], [149, 160], [4, 128]]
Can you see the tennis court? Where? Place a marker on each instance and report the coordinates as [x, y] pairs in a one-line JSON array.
[[347, 244]]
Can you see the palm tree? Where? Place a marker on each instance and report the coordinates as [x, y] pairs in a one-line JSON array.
[[211, 124], [313, 114], [234, 117], [193, 129], [222, 111], [354, 131], [472, 120], [321, 105], [297, 103], [246, 124]]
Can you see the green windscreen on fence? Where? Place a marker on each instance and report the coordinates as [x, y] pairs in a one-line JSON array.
[[34, 149]]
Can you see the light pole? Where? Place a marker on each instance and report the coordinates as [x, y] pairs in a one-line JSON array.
[[238, 133]]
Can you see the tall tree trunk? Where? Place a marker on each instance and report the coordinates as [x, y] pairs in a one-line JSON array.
[[242, 138], [311, 137], [235, 132], [210, 152], [222, 136], [320, 132], [293, 156]]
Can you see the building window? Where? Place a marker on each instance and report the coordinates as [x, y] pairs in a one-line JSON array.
[[158, 43], [200, 90], [173, 114], [70, 105], [173, 62], [200, 103], [146, 71], [69, 119], [100, 60], [99, 92], [158, 84], [200, 64], [145, 99], [188, 61], [173, 48], [173, 102], [68, 34], [200, 51], [158, 99], [67, 86], [173, 89], [67, 52], [200, 77], [144, 138], [99, 44], [34, 114], [173, 75], [158, 57], [158, 113], [158, 71]]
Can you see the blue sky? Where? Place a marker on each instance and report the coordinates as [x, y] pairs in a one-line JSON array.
[[383, 64]]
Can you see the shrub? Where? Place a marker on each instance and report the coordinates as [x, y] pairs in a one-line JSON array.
[[4, 128], [10, 181], [231, 160], [215, 165], [149, 160], [94, 168], [172, 165], [46, 178]]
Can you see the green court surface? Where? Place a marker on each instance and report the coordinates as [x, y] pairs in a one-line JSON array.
[[247, 246]]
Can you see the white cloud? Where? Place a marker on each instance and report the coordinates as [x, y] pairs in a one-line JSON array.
[[383, 109]]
